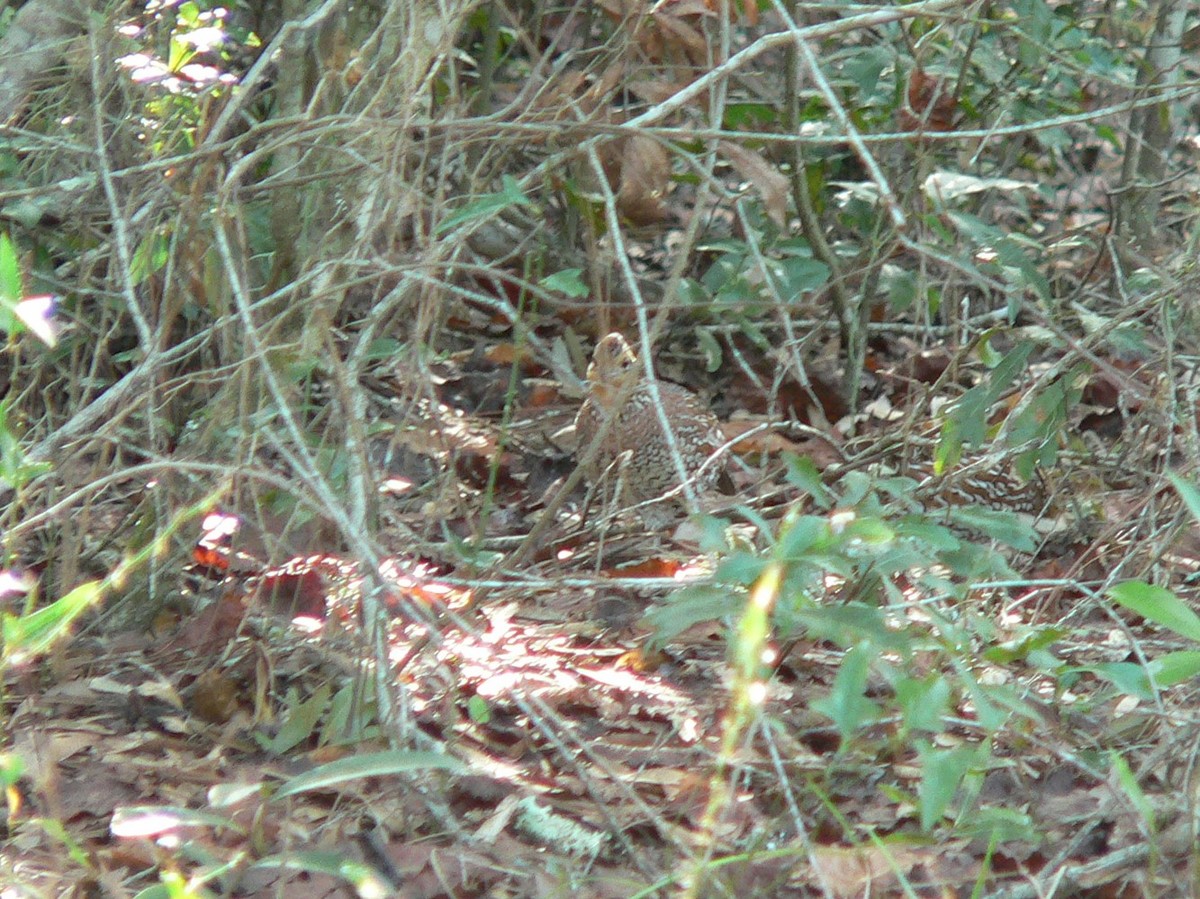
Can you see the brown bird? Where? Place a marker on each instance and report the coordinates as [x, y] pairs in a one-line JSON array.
[[618, 389]]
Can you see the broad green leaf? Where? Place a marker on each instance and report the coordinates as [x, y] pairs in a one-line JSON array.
[[746, 116], [486, 206], [846, 705], [1137, 796], [12, 768], [371, 764], [988, 701], [741, 568], [997, 524], [999, 825], [924, 702], [872, 532], [300, 722], [1188, 492], [479, 710], [966, 422], [1128, 677], [1158, 605], [10, 287], [804, 534], [942, 772], [1175, 667], [33, 634], [149, 256], [10, 271], [856, 622], [1023, 645], [711, 348], [336, 727], [569, 281], [802, 473], [692, 605], [801, 275]]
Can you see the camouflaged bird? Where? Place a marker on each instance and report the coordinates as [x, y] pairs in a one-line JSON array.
[[618, 389]]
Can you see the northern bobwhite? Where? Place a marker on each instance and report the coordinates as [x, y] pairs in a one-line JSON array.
[[617, 388]]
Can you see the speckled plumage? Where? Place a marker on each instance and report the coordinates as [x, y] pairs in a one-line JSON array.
[[617, 387], [988, 488]]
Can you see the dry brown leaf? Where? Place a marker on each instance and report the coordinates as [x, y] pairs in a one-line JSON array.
[[767, 180], [214, 697], [865, 871], [679, 35], [608, 81], [655, 90]]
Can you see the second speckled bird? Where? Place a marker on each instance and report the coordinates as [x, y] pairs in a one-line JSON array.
[[617, 387]]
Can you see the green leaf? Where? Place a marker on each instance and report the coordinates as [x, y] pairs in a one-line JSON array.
[[711, 348], [990, 714], [997, 524], [149, 256], [10, 288], [1023, 645], [690, 606], [901, 287], [371, 764], [846, 705], [803, 474], [10, 271], [12, 768], [923, 703], [741, 568], [999, 825], [569, 281], [871, 532], [966, 421], [486, 206], [1175, 667], [1128, 677], [1158, 605], [928, 533], [749, 116], [179, 52], [365, 880], [33, 634], [188, 14], [1137, 796], [1188, 492], [479, 710], [805, 535], [942, 772], [855, 622], [300, 722], [801, 275], [346, 702]]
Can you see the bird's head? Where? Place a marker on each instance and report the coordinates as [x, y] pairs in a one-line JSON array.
[[614, 368]]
